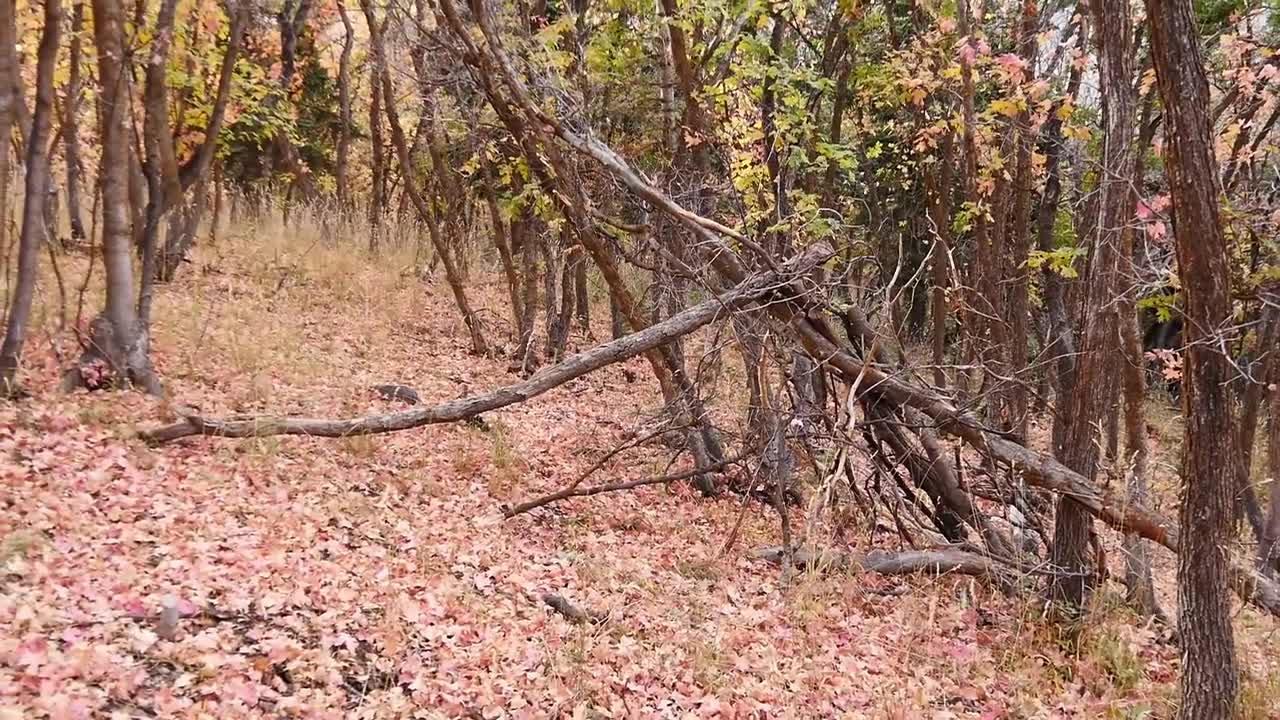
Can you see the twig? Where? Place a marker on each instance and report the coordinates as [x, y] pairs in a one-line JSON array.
[[571, 492]]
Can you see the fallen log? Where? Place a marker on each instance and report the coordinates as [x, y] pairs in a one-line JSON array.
[[552, 376], [942, 561]]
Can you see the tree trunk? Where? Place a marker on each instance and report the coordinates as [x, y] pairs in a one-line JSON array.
[[9, 101], [401, 145], [1019, 241], [33, 215], [1060, 344], [1137, 558], [378, 163], [1096, 382], [583, 306], [1209, 680], [292, 21], [1273, 470], [71, 127], [551, 262], [164, 187], [983, 333], [502, 242], [520, 237], [344, 114], [117, 351], [938, 190], [193, 175]]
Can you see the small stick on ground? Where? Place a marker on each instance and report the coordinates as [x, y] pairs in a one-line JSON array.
[[571, 491]]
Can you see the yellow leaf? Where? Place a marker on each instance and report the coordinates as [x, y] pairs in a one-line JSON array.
[[1008, 108]]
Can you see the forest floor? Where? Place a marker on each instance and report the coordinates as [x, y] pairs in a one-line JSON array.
[[376, 577]]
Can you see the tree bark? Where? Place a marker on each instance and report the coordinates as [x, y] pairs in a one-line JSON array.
[[377, 163], [1060, 347], [9, 101], [1095, 380], [1209, 681], [502, 242], [164, 188], [529, 290], [983, 327], [117, 351], [1272, 557], [938, 190], [344, 113], [1019, 240], [71, 127], [33, 215]]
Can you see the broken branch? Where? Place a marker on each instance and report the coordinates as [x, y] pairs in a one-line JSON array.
[[574, 491], [547, 378]]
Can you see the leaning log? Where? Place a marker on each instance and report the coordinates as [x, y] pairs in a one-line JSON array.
[[757, 289]]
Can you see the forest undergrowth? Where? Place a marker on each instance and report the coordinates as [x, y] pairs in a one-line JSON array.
[[376, 577]]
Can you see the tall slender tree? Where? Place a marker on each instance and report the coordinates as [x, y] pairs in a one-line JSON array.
[[117, 349], [33, 208], [1209, 679], [1096, 383]]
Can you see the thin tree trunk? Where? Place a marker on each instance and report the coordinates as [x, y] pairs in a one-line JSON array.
[[9, 101], [938, 189], [401, 145], [1137, 557], [1209, 680], [1019, 240], [377, 164], [344, 113], [1140, 589], [520, 236], [551, 315], [71, 127], [117, 351], [1059, 348], [1273, 470], [583, 302], [568, 299], [1096, 382], [164, 187], [292, 21], [33, 215], [502, 242], [193, 176], [983, 334]]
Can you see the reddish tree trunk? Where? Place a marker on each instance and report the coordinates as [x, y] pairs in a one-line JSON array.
[[1209, 681], [1096, 381]]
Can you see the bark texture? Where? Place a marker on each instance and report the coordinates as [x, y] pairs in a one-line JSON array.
[[1209, 679]]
